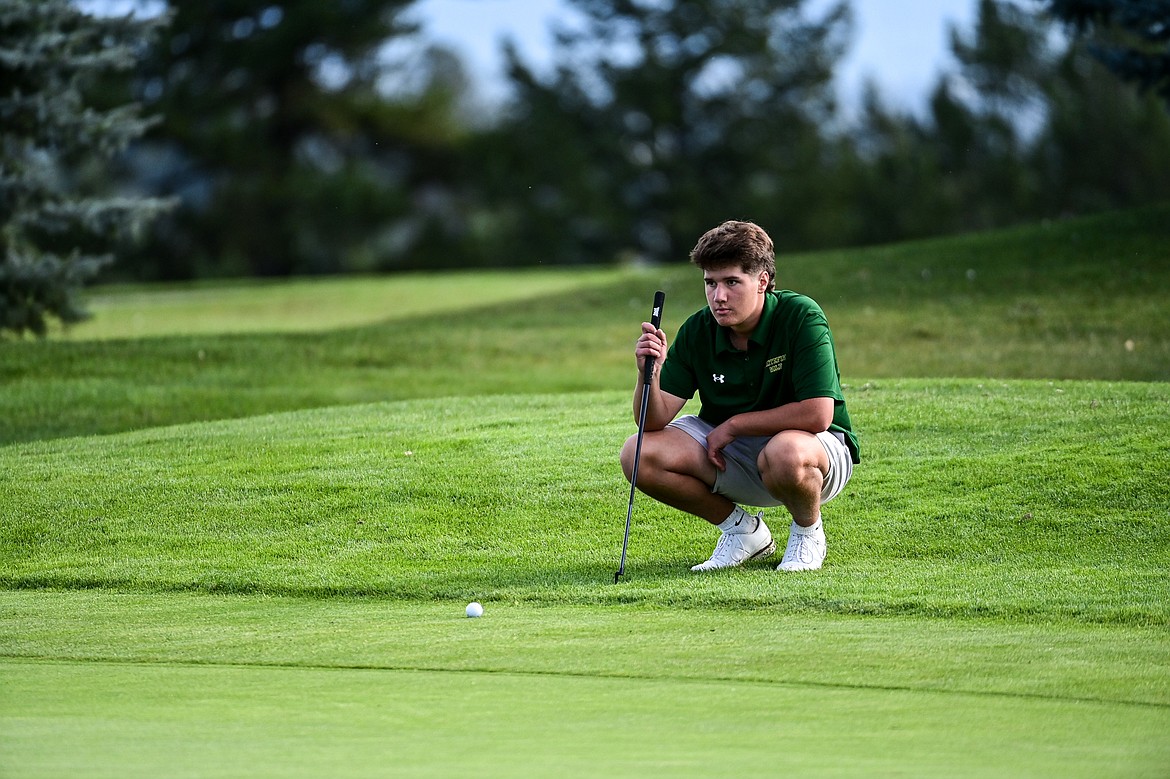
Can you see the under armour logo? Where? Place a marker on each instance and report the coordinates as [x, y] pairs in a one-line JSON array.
[[719, 377]]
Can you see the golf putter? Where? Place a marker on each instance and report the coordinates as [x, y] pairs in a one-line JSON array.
[[647, 375]]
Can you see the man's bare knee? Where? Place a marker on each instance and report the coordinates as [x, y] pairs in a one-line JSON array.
[[629, 448], [790, 457], [651, 458]]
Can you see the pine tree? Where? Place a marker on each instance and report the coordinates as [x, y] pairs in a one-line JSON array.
[[56, 227], [294, 138], [671, 116], [1132, 37]]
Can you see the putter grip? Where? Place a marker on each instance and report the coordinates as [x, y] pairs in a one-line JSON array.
[[656, 320]]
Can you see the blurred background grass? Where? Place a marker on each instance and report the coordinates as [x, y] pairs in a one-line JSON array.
[[1082, 299]]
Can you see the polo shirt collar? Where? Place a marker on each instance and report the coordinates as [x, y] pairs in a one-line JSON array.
[[723, 337]]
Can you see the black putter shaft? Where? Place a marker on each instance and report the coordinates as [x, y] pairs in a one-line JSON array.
[[647, 376]]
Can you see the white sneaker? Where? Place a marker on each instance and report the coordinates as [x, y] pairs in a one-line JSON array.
[[737, 548], [806, 548]]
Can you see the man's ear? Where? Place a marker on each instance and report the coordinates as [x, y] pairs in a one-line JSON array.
[[763, 282]]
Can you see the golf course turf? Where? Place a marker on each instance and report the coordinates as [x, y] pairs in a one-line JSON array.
[[246, 549]]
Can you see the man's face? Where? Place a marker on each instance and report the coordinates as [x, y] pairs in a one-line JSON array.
[[735, 297]]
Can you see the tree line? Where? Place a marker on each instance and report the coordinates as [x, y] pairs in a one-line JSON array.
[[280, 137]]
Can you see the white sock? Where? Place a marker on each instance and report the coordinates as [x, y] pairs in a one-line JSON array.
[[803, 531], [737, 522]]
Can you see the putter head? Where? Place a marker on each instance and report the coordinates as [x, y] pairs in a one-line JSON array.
[[616, 576]]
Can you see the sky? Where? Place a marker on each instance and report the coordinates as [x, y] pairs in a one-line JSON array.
[[901, 44]]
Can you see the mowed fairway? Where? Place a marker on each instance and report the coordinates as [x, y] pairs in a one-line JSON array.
[[255, 562]]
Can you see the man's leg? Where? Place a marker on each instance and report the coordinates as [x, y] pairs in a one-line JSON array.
[[793, 466], [674, 470]]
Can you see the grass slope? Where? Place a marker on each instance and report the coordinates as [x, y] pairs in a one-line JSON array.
[[1077, 300], [974, 500], [304, 305]]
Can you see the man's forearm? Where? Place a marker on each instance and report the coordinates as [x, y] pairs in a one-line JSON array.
[[661, 407], [813, 416]]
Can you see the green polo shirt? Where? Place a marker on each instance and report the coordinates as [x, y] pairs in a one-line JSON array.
[[790, 357]]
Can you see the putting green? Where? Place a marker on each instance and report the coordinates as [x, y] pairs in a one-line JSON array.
[[104, 684], [123, 720]]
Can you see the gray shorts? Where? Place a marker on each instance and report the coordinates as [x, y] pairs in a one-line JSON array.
[[741, 481]]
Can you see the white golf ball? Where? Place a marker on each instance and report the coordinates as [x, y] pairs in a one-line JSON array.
[[474, 609]]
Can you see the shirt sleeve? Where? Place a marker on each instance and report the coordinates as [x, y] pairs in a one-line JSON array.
[[677, 375], [814, 367]]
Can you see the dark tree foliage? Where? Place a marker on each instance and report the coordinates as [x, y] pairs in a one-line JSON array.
[[1132, 37], [983, 113], [294, 141], [312, 137], [1026, 127], [57, 226], [662, 119]]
